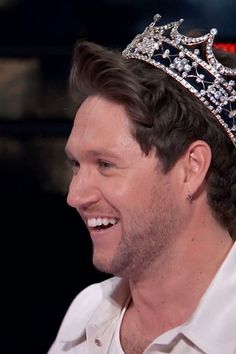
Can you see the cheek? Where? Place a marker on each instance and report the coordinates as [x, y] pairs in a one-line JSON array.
[[120, 195], [135, 193]]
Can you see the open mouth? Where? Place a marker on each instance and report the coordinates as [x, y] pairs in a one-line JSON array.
[[102, 227], [100, 224]]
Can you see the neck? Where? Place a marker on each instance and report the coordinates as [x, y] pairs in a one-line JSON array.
[[168, 292]]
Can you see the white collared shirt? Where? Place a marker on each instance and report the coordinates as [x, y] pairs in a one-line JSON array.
[[92, 319]]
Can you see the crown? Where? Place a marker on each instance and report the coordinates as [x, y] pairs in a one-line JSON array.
[[197, 69]]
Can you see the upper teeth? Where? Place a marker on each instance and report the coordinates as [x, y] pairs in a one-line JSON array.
[[93, 222]]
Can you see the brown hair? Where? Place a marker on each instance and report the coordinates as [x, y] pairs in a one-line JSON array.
[[164, 115]]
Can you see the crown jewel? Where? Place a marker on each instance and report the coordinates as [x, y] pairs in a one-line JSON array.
[[182, 57]]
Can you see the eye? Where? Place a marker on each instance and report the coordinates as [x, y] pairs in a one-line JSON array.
[[104, 165], [74, 165]]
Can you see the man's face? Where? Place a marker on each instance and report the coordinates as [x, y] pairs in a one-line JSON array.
[[121, 194]]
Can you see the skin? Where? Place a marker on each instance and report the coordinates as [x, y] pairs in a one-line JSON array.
[[167, 247]]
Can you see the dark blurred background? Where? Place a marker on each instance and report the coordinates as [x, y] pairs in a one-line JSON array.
[[46, 252]]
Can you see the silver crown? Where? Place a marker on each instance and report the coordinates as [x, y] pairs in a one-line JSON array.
[[178, 55]]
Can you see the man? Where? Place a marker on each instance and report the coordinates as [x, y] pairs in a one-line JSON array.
[[154, 179]]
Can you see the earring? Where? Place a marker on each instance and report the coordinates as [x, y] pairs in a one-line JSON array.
[[189, 197]]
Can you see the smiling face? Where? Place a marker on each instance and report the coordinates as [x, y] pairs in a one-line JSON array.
[[121, 194]]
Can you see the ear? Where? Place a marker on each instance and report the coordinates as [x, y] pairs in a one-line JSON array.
[[195, 164]]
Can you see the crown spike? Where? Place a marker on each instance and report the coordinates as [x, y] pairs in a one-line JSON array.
[[156, 17]]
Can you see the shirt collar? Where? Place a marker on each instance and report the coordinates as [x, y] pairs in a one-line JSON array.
[[212, 325], [102, 326], [116, 292], [107, 298]]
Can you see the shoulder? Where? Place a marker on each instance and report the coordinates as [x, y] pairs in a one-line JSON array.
[[83, 306], [89, 298]]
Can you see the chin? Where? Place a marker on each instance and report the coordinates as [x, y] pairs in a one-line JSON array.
[[102, 264]]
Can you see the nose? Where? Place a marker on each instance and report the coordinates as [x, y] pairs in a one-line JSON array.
[[82, 192]]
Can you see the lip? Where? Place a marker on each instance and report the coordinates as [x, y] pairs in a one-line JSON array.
[[86, 217]]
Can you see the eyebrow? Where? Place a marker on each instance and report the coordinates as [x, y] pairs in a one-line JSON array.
[[95, 154], [103, 152]]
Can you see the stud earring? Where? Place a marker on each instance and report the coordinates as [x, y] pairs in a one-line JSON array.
[[189, 197]]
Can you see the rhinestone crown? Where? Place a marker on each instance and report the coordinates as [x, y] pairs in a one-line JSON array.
[[182, 57]]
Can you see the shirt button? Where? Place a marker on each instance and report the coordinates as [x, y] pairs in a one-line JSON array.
[[98, 342]]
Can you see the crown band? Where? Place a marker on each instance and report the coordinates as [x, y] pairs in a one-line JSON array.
[[178, 55]]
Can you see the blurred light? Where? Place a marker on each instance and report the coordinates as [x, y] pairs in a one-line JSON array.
[[228, 47]]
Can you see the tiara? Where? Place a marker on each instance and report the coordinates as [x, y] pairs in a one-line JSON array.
[[183, 58]]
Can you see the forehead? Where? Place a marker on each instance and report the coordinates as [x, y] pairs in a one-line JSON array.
[[100, 123]]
